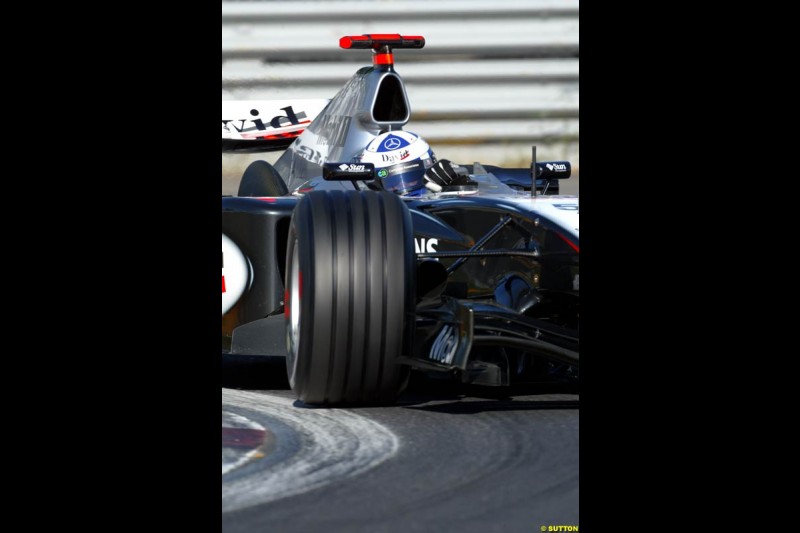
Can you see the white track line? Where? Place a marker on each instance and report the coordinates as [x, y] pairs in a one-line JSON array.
[[335, 444]]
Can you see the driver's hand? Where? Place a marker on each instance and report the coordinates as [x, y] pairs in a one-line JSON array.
[[440, 175]]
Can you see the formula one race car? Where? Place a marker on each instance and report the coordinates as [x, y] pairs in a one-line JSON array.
[[356, 285]]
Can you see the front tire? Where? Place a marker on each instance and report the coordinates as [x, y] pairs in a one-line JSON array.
[[349, 299]]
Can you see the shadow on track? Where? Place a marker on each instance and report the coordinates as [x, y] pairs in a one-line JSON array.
[[423, 390], [255, 372]]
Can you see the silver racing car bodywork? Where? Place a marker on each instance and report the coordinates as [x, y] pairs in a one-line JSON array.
[[355, 286]]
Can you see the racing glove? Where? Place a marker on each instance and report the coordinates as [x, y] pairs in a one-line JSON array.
[[445, 174]]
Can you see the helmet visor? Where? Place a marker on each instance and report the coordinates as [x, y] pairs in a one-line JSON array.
[[403, 178]]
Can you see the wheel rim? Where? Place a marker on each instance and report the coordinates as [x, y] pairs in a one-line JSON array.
[[293, 333]]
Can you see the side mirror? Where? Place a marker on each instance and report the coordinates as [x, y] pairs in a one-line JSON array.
[[348, 171]]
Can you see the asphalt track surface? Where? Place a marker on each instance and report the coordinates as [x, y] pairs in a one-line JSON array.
[[446, 458]]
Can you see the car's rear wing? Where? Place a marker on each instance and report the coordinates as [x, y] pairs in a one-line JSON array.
[[266, 125]]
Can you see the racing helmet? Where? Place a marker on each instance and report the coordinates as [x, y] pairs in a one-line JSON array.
[[401, 159]]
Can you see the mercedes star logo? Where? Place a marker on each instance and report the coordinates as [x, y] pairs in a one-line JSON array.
[[392, 143]]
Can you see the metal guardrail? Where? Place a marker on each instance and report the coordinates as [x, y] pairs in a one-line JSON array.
[[493, 78]]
